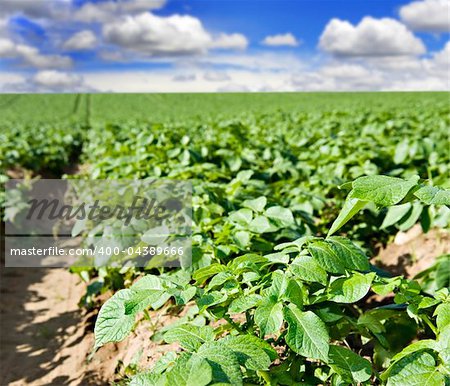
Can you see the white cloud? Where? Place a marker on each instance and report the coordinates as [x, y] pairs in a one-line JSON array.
[[3, 25], [57, 80], [158, 36], [286, 39], [82, 40], [260, 61], [31, 55], [371, 37], [34, 9], [345, 71], [164, 81], [9, 81], [176, 35], [442, 58], [216, 76], [427, 15], [107, 11], [230, 41], [234, 87], [7, 48]]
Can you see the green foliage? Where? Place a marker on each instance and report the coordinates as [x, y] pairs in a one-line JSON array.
[[304, 298], [275, 297]]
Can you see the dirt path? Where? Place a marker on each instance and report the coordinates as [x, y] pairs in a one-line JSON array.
[[45, 339]]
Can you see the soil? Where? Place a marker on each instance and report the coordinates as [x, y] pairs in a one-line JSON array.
[[46, 339], [413, 251]]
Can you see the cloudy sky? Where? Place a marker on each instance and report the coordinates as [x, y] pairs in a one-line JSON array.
[[223, 45]]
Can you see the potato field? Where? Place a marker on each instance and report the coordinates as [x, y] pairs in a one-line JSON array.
[[300, 203]]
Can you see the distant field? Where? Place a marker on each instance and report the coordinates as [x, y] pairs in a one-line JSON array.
[[101, 108]]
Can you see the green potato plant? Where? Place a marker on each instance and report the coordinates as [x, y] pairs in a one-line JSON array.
[[298, 314]]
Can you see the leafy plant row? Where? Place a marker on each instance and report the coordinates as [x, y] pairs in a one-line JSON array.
[[298, 314]]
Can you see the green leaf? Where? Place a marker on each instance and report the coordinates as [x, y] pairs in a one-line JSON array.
[[281, 216], [293, 293], [350, 208], [242, 238], [219, 279], [382, 190], [257, 205], [412, 218], [349, 365], [278, 285], [241, 216], [244, 303], [401, 151], [297, 244], [269, 316], [113, 324], [149, 290], [142, 300], [156, 236], [190, 370], [350, 289], [395, 214], [442, 313], [349, 253], [414, 347], [326, 257], [278, 257], [148, 282], [417, 369], [307, 269], [432, 195], [148, 379], [387, 286], [210, 299], [251, 351], [372, 322], [79, 226], [261, 224], [224, 363], [443, 272], [189, 336], [307, 334], [203, 274]]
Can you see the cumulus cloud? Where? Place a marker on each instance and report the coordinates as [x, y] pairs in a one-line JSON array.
[[83, 40], [34, 9], [57, 79], [442, 58], [427, 15], [175, 35], [158, 36], [286, 39], [48, 81], [260, 61], [107, 11], [371, 37], [230, 41], [31, 55]]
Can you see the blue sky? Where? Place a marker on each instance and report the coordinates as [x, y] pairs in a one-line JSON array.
[[223, 45]]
